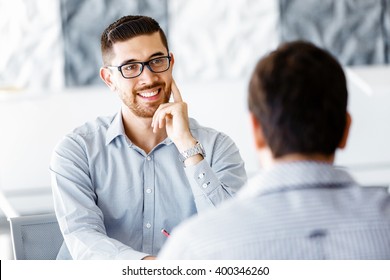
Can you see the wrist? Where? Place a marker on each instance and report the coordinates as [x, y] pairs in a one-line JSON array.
[[192, 155], [185, 144], [193, 160], [149, 258]]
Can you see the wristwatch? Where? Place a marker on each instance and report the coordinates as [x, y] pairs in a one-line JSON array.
[[195, 150]]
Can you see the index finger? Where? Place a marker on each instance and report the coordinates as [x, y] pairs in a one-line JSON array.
[[176, 92]]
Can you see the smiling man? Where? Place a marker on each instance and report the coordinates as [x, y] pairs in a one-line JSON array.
[[119, 180]]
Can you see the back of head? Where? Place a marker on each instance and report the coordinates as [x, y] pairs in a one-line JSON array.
[[127, 28], [298, 93]]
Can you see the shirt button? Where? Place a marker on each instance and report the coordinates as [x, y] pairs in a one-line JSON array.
[[201, 176], [148, 190], [205, 185], [148, 158], [148, 225]]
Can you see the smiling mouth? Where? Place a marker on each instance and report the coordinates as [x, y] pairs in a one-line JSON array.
[[148, 94]]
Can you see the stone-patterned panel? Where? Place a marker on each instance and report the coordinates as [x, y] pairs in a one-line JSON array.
[[83, 23], [30, 44], [221, 39], [352, 30], [386, 29]]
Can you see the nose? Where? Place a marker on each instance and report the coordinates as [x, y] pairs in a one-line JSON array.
[[147, 75]]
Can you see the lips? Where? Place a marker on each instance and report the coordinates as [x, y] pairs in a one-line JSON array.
[[148, 94]]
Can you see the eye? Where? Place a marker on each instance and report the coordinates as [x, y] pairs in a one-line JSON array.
[[130, 67], [157, 61]]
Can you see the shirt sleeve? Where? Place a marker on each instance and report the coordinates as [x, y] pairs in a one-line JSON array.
[[219, 176], [80, 219]]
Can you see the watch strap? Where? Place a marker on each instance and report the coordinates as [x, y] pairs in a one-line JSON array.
[[195, 150]]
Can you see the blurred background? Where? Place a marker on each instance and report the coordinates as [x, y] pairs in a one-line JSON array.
[[49, 76]]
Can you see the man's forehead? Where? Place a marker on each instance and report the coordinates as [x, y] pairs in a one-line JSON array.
[[139, 48]]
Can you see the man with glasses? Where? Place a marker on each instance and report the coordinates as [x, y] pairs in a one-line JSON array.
[[118, 181]]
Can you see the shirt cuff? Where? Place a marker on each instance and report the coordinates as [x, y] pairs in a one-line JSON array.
[[202, 178]]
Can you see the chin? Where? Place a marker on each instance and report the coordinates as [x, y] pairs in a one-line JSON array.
[[144, 112]]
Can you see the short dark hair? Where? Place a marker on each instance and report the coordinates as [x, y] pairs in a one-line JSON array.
[[299, 95], [125, 28]]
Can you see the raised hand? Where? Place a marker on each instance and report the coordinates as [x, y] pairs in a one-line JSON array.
[[173, 117]]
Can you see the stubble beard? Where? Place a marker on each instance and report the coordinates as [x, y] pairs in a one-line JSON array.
[[141, 110]]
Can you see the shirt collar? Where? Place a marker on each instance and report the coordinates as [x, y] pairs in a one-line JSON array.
[[295, 175], [116, 128]]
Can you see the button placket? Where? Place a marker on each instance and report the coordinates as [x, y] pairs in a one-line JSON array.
[[149, 202]]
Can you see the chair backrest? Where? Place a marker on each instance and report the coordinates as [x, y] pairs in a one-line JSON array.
[[36, 237]]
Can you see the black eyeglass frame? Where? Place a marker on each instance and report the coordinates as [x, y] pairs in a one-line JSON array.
[[143, 64]]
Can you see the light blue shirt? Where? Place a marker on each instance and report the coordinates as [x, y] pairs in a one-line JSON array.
[[300, 210], [112, 199]]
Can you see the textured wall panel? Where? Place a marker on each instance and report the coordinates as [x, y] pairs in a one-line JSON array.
[[30, 44], [83, 23], [353, 30], [222, 38], [386, 29]]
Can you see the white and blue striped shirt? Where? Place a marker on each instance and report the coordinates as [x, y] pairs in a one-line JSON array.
[[300, 210]]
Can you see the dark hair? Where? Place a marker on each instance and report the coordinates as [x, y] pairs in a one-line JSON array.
[[299, 95], [125, 28]]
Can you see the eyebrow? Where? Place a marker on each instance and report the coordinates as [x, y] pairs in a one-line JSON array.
[[150, 57]]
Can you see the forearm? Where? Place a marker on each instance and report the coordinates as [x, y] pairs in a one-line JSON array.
[[88, 245]]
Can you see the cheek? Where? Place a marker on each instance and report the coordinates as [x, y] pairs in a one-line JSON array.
[[126, 87], [168, 88], [126, 92], [168, 94]]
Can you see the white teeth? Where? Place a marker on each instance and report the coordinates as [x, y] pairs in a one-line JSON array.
[[149, 94]]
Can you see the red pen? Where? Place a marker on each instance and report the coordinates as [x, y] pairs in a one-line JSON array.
[[165, 232]]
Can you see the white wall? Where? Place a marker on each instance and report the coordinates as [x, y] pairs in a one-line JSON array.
[[32, 124], [31, 127]]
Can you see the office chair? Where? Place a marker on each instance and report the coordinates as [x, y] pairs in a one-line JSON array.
[[36, 237]]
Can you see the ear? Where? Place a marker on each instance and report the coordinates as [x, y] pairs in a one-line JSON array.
[[107, 77], [344, 139], [172, 59], [257, 132]]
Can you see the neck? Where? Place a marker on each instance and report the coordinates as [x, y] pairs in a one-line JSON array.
[[268, 160], [140, 132], [302, 157]]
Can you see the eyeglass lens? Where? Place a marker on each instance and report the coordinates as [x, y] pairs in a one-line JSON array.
[[135, 69]]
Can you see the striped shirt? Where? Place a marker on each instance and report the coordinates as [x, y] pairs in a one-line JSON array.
[[300, 210]]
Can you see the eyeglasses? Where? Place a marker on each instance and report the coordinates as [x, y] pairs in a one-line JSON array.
[[134, 69]]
